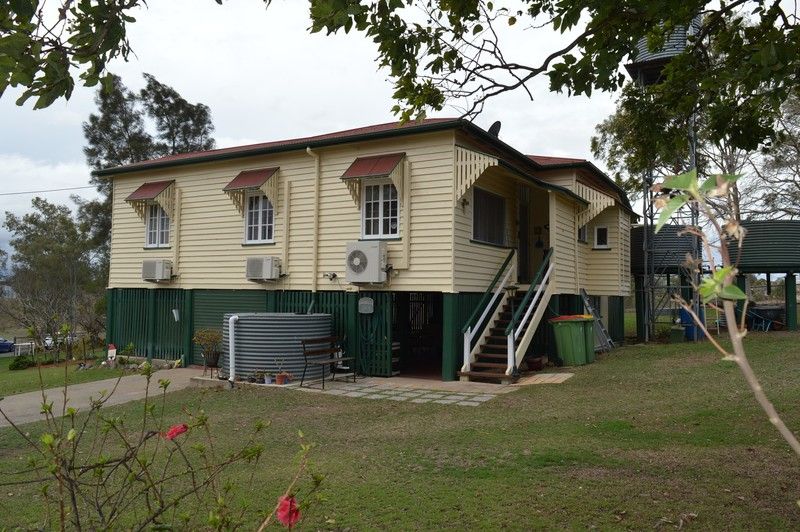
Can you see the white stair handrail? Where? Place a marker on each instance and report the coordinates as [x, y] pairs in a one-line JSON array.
[[511, 351], [470, 334], [532, 306]]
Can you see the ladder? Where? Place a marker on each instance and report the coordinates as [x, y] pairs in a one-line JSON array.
[[606, 343]]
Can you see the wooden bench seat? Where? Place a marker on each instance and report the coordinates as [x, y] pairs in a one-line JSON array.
[[312, 348]]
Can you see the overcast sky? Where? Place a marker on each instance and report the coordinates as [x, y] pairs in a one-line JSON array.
[[266, 78]]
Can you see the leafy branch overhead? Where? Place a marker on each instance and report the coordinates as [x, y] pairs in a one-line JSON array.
[[740, 67], [684, 189]]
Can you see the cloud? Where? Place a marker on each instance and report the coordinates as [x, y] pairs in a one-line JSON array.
[[265, 77]]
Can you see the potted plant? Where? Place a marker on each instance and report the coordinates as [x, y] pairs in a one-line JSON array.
[[208, 340], [267, 378], [284, 377]]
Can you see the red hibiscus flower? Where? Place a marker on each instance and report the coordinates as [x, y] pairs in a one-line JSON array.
[[175, 431], [287, 513]]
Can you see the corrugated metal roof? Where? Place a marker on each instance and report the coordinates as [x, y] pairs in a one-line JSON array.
[[367, 130], [251, 179], [375, 166], [149, 191], [670, 249], [770, 246]]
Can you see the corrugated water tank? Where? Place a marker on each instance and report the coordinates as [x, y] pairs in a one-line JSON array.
[[271, 342]]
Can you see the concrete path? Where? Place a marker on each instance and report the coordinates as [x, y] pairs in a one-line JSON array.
[[25, 407]]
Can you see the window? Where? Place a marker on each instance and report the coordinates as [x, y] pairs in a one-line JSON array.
[[157, 227], [259, 220], [488, 217], [582, 233], [601, 237], [379, 211]]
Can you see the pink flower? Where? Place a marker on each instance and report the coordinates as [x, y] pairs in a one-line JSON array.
[[287, 513], [175, 431]]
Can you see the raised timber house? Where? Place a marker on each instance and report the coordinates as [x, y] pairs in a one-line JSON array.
[[429, 220]]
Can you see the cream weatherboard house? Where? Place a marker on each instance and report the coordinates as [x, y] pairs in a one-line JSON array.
[[429, 219]]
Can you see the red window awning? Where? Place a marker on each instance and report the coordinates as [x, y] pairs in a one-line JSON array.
[[149, 191], [250, 179], [375, 166]]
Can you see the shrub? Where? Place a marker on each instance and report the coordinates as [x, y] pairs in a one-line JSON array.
[[128, 350], [21, 362]]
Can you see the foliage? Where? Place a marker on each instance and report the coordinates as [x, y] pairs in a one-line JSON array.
[[208, 340], [117, 135], [51, 272], [455, 52], [718, 283], [181, 126], [21, 362], [128, 350], [97, 472], [780, 170]]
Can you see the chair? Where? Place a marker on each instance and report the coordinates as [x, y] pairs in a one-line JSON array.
[[315, 354]]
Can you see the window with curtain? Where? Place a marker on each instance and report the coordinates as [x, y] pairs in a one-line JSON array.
[[488, 217]]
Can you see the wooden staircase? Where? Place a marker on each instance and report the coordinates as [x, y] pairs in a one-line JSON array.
[[508, 332], [491, 359]]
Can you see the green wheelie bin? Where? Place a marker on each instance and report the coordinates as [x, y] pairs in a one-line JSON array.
[[574, 339]]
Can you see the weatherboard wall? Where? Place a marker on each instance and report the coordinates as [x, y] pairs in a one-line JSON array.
[[212, 254]]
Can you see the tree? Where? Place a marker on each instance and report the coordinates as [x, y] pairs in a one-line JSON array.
[[181, 126], [642, 139], [117, 135], [51, 271], [780, 170]]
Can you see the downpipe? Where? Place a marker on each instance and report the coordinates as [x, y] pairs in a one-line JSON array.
[[232, 349]]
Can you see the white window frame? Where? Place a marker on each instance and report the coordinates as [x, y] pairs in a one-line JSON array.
[[607, 245], [157, 223], [270, 225], [504, 242], [381, 235], [583, 234]]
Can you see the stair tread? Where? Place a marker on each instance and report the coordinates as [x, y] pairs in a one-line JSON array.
[[497, 365]]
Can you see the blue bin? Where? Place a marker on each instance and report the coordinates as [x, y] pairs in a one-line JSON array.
[[689, 326]]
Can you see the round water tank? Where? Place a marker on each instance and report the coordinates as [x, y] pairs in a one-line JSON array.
[[271, 342]]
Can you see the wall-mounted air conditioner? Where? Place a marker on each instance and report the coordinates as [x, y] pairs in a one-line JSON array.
[[366, 261], [156, 270], [263, 268]]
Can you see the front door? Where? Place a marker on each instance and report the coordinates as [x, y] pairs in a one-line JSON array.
[[524, 240]]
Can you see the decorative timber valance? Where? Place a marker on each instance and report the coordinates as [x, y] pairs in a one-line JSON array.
[[469, 165], [159, 192], [377, 166], [263, 179], [598, 202]]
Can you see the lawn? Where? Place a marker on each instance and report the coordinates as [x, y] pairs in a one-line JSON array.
[[647, 437], [27, 380]]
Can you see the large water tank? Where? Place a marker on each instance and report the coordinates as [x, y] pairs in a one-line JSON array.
[[271, 342]]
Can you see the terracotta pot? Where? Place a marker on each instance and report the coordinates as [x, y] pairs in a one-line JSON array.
[[280, 378]]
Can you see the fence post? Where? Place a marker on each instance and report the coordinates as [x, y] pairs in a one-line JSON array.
[[791, 301]]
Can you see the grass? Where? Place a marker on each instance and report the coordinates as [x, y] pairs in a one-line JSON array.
[[648, 436], [27, 380]]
